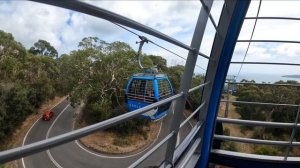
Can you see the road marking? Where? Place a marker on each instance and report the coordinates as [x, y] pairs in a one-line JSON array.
[[118, 157], [47, 136], [23, 162], [76, 142], [24, 139]]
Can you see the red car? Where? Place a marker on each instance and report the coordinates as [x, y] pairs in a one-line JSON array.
[[48, 115]]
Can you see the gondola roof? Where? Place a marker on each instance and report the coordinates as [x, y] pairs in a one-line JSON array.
[[149, 75]]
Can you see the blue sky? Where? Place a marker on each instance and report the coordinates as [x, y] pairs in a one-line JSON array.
[[30, 21]]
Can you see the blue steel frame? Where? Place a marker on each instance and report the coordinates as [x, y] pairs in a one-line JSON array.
[[235, 25], [134, 104]]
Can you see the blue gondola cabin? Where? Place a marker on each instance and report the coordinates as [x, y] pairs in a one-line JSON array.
[[144, 89]]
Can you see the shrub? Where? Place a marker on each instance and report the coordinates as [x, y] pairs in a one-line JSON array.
[[120, 141], [226, 131], [230, 146], [267, 150]]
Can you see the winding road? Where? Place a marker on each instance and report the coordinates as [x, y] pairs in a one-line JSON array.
[[73, 155]]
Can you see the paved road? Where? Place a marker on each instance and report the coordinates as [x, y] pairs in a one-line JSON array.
[[72, 155], [38, 132]]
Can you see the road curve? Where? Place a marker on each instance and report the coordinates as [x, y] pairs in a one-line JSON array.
[[38, 132], [72, 155]]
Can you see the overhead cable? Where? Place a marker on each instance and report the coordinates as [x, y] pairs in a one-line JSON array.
[[125, 28], [250, 40]]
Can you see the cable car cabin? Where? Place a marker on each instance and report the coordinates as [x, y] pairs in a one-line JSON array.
[[144, 89]]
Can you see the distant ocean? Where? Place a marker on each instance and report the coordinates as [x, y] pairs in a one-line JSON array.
[[259, 78]]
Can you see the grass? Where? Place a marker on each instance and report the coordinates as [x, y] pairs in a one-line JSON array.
[[248, 132], [121, 141], [113, 143], [235, 130]]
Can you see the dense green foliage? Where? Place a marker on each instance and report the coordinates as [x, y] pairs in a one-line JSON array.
[[267, 150], [95, 74], [26, 80], [230, 146], [44, 48], [98, 74], [175, 73], [268, 94]]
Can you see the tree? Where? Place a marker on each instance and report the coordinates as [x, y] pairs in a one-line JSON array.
[[43, 48], [194, 98], [118, 46], [267, 150], [11, 55], [160, 62], [92, 43], [175, 73], [10, 47], [269, 94], [26, 81], [96, 73]]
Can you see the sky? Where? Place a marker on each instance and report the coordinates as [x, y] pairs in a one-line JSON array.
[[64, 29]]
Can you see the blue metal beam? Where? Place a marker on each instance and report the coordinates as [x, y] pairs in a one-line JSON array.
[[234, 27]]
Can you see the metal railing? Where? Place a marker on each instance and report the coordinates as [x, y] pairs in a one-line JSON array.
[[273, 18], [257, 123], [73, 135], [260, 103], [264, 84], [267, 63], [285, 159], [269, 41], [180, 98], [200, 136], [26, 150], [294, 126], [254, 123]]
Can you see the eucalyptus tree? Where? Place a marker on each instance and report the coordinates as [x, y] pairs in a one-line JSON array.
[[44, 48], [26, 81], [269, 94]]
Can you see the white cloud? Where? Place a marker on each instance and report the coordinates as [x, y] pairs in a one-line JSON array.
[[29, 21], [277, 30], [270, 30], [81, 25], [280, 8], [287, 50], [256, 52], [160, 15]]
